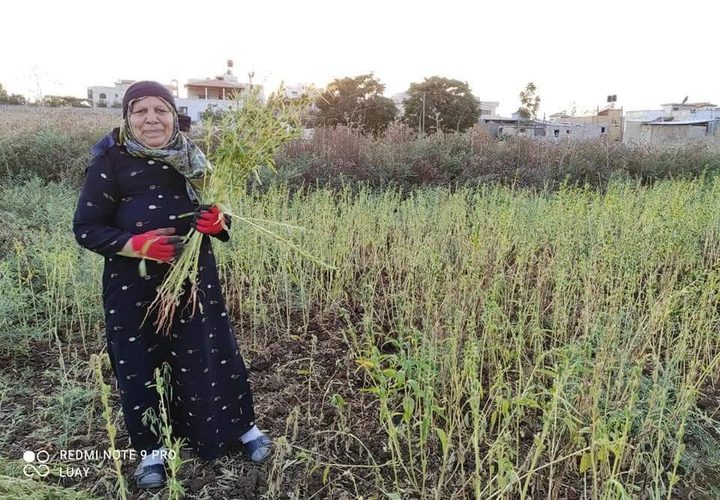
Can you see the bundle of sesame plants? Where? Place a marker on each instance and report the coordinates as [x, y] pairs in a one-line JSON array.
[[240, 141]]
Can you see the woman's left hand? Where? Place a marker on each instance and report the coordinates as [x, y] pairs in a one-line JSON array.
[[209, 219]]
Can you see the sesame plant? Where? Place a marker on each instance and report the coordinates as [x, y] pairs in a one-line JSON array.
[[517, 344], [97, 362], [496, 342], [241, 141], [160, 424]]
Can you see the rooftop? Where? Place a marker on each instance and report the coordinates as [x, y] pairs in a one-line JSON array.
[[215, 83]]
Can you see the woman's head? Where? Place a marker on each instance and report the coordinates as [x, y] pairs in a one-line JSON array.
[[149, 110]]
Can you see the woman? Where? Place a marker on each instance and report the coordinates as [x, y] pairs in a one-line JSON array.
[[135, 191]]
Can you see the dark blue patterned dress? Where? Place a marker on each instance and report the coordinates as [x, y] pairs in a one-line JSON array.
[[212, 405]]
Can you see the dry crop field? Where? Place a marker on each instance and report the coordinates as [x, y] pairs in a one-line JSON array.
[[483, 342]]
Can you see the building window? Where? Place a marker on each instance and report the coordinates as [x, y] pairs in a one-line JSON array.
[[183, 110], [556, 132], [602, 130], [102, 96]]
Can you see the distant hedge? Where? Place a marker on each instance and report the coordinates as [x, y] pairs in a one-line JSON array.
[[337, 157]]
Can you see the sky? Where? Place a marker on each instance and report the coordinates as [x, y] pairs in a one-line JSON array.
[[576, 52]]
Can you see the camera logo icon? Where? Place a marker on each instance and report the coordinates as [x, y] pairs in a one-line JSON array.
[[36, 463]]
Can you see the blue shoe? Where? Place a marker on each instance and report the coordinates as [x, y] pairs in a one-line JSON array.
[[150, 476], [259, 449]]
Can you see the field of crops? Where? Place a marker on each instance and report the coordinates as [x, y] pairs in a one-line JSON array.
[[487, 342]]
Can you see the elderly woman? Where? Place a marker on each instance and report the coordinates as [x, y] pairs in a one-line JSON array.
[[135, 191]]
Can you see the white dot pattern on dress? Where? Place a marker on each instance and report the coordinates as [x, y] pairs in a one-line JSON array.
[[146, 213]]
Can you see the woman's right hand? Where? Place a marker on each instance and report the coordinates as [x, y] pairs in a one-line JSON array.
[[158, 244]]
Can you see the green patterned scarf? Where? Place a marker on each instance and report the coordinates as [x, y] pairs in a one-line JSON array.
[[180, 152]]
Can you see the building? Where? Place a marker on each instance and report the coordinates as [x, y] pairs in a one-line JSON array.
[[301, 90], [670, 131], [222, 92], [488, 109], [511, 127], [674, 122], [108, 97], [111, 97], [607, 122]]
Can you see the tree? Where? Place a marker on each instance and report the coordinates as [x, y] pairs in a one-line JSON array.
[[440, 104], [356, 102], [6, 98], [529, 102], [57, 101]]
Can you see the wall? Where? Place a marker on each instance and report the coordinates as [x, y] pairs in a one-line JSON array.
[[112, 95], [669, 133], [195, 107]]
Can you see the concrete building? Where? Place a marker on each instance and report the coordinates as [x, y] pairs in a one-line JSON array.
[[674, 122], [672, 131], [506, 127], [101, 96], [607, 122], [221, 92], [488, 109], [301, 89]]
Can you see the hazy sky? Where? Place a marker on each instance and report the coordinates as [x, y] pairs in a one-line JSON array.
[[645, 52]]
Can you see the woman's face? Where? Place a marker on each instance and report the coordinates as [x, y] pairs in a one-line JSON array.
[[151, 121]]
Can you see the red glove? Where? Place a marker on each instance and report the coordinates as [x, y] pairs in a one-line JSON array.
[[209, 220], [158, 244]]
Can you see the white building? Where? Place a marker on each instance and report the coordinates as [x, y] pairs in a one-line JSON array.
[[299, 90], [675, 121], [101, 96], [222, 92], [488, 109]]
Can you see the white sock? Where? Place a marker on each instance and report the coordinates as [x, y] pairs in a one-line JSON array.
[[154, 457], [253, 433]]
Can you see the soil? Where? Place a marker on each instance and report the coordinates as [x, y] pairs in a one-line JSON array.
[[293, 380]]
